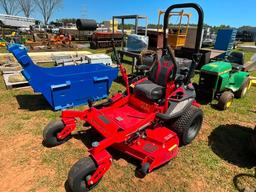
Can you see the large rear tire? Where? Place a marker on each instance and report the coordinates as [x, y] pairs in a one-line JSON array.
[[188, 125], [225, 100], [80, 173]]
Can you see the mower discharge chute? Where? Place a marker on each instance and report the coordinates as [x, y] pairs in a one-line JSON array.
[[148, 121]]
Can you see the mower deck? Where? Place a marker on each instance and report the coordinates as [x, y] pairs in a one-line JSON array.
[[156, 147], [125, 116], [128, 126], [151, 144]]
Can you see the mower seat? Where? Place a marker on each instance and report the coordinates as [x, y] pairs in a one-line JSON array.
[[150, 90], [159, 74], [236, 58]]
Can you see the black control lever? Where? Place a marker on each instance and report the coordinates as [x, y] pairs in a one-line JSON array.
[[196, 57]]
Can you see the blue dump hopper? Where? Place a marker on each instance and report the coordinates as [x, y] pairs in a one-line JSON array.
[[68, 86]]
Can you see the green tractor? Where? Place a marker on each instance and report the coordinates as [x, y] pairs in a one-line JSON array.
[[224, 80]]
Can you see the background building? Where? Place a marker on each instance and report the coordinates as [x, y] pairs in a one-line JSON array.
[[16, 21]]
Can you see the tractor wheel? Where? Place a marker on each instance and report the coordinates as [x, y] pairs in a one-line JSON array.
[[50, 134], [80, 173], [188, 125], [254, 141], [196, 86], [226, 100], [243, 90]]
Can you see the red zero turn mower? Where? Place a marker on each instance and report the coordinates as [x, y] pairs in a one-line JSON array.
[[148, 122]]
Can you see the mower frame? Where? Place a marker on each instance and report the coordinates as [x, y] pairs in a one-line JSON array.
[[136, 126]]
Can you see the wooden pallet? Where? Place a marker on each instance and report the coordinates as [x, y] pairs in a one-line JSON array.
[[16, 85]]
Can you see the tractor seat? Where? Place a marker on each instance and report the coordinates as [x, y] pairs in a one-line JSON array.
[[236, 58], [150, 90], [158, 76]]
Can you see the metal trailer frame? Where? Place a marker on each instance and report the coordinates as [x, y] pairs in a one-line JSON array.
[[135, 56], [179, 39], [129, 17]]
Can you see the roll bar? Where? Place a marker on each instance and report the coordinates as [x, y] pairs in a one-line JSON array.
[[199, 24], [167, 49]]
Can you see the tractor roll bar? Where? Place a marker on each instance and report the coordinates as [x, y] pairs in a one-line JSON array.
[[199, 24], [197, 55]]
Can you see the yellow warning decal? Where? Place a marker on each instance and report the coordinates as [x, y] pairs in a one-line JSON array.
[[173, 147]]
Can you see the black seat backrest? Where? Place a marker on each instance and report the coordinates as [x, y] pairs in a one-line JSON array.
[[236, 57], [161, 71]]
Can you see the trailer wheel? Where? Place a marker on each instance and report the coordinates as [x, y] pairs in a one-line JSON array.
[[50, 134], [80, 173], [226, 100], [243, 90], [188, 125]]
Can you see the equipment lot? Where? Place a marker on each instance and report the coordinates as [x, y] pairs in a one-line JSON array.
[[212, 161]]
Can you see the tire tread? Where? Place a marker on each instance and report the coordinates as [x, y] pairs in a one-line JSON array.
[[182, 123]]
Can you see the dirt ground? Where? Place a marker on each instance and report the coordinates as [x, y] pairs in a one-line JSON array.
[[215, 161]]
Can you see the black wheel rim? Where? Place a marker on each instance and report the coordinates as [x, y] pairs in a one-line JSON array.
[[193, 129]]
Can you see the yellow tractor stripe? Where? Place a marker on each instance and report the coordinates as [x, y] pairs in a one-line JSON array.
[[253, 81]]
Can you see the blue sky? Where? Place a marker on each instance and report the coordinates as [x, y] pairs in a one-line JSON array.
[[230, 12]]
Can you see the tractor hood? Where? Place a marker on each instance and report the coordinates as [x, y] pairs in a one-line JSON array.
[[218, 67]]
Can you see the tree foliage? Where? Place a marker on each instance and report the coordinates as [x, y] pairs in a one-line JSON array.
[[47, 8], [27, 7], [10, 7]]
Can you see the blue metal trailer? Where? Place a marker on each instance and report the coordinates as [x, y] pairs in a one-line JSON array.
[[225, 40], [69, 86]]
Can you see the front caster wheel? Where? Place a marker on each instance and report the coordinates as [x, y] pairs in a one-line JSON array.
[[80, 173], [50, 134], [143, 170]]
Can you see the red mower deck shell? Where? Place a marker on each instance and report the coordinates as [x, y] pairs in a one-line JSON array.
[[117, 123]]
